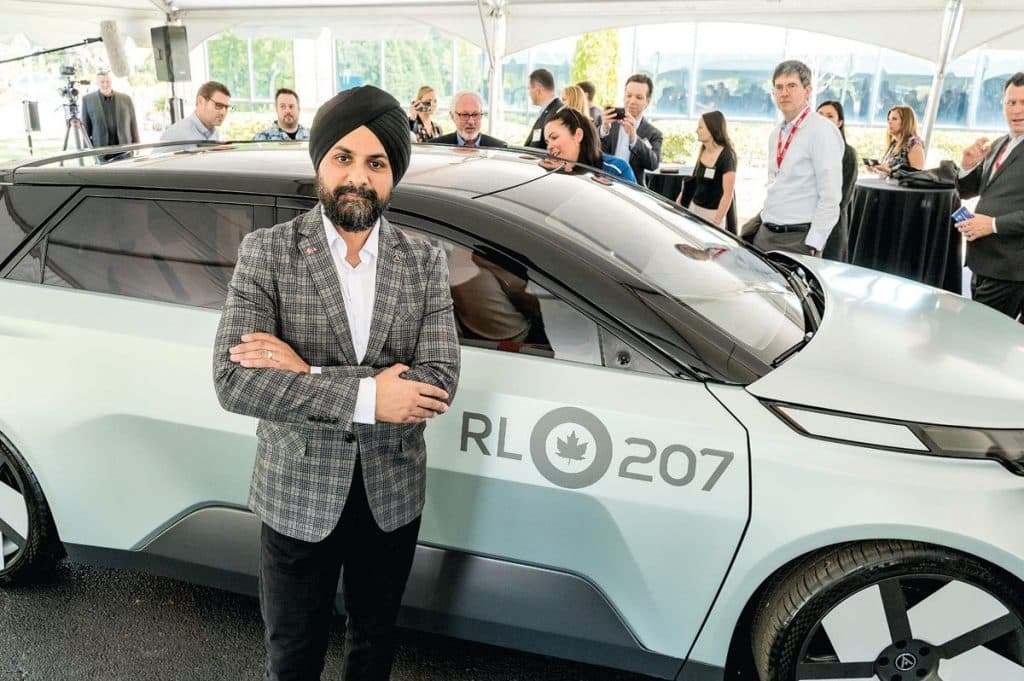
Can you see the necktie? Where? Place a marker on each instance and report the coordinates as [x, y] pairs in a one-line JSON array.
[[1001, 157]]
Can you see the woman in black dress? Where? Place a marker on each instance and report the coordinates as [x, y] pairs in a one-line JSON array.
[[837, 246], [710, 193]]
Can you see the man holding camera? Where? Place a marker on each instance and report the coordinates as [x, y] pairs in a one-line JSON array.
[[109, 117], [626, 134]]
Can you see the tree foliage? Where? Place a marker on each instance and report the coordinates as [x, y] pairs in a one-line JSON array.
[[597, 60]]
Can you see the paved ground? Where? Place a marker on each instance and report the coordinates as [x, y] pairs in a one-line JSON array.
[[91, 623]]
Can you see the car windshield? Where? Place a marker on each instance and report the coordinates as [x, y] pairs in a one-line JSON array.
[[674, 254]]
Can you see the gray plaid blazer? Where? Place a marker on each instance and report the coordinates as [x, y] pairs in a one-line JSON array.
[[285, 283]]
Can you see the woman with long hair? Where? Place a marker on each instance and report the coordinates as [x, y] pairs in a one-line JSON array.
[[903, 147], [574, 97], [833, 111], [421, 110], [572, 137], [710, 194]]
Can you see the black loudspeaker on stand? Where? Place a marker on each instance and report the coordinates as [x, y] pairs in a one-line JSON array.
[[170, 55], [31, 110]]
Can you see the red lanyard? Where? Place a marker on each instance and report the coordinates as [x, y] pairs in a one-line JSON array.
[[780, 151]]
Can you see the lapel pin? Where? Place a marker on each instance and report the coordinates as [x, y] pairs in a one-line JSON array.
[[310, 250], [397, 258]]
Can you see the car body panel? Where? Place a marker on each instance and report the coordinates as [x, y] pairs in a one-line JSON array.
[[897, 349], [660, 495], [808, 494]]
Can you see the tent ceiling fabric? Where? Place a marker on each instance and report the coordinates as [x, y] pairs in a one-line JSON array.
[[911, 26]]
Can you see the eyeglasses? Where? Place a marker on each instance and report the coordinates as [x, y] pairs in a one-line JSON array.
[[219, 106], [468, 115]]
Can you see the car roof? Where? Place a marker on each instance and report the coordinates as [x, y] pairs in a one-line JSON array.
[[279, 168]]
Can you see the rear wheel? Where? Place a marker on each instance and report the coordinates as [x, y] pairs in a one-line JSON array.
[[891, 611], [28, 540]]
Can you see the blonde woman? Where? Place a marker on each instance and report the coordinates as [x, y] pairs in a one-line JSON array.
[[904, 149], [421, 110], [574, 98]]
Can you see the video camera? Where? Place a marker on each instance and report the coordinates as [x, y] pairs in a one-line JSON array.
[[69, 91]]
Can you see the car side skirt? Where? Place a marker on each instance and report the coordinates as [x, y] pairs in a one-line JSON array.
[[452, 593]]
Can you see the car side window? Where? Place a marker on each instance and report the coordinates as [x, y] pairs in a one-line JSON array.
[[498, 307], [172, 251]]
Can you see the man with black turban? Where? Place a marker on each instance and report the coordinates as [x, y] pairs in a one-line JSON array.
[[338, 334]]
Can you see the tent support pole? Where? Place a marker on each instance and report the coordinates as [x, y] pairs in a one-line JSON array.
[[950, 33], [493, 17]]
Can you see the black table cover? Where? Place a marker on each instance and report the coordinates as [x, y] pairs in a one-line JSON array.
[[907, 232]]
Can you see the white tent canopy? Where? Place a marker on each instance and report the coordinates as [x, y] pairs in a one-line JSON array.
[[911, 26]]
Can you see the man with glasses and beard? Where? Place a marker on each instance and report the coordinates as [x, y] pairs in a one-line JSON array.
[[338, 334], [467, 114]]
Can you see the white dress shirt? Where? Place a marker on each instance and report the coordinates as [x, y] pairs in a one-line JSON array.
[[622, 143], [809, 185], [358, 289]]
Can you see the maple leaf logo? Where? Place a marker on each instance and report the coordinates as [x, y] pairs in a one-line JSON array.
[[571, 449]]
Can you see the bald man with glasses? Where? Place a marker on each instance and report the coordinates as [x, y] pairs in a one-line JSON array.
[[467, 114]]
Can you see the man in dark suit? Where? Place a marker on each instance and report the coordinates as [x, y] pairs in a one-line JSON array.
[[631, 137], [995, 235], [108, 116], [338, 334], [467, 114], [542, 94]]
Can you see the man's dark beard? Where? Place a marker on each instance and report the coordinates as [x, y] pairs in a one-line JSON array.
[[351, 215]]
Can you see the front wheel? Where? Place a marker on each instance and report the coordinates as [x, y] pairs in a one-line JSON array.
[[891, 611], [29, 547]]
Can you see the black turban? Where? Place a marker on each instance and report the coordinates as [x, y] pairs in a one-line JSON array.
[[363, 105]]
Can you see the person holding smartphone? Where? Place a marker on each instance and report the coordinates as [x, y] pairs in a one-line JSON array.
[[625, 132], [421, 110]]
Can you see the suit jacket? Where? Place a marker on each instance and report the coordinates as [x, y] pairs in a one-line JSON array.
[[1000, 255], [94, 119], [539, 142], [645, 154], [485, 140], [285, 283]]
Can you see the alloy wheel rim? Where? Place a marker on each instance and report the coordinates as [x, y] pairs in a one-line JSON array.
[[14, 520], [916, 628]]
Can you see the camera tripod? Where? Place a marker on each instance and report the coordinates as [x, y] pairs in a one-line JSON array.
[[75, 131]]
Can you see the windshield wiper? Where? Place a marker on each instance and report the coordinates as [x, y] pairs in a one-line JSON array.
[[793, 349]]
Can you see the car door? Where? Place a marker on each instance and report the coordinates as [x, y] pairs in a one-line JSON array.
[[567, 449], [130, 435]]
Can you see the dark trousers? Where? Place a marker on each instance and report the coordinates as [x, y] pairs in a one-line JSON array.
[[1005, 296], [298, 586]]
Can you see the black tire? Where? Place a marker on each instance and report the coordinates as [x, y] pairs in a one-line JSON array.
[[787, 628], [31, 557]]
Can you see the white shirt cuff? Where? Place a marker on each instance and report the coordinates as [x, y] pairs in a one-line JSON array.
[[316, 370], [994, 226], [964, 172], [366, 401]]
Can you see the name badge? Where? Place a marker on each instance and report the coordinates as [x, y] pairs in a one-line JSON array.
[[709, 173], [536, 134]]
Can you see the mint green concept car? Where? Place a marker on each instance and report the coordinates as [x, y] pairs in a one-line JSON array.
[[670, 453]]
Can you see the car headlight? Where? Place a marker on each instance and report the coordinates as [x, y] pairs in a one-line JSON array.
[[1005, 446]]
